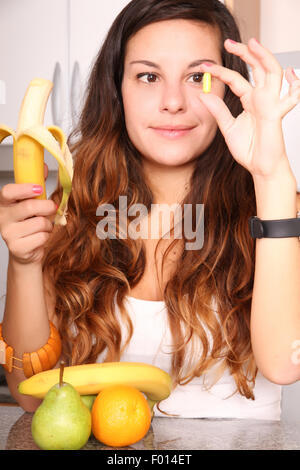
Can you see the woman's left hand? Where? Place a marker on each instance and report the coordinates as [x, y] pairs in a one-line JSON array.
[[255, 137]]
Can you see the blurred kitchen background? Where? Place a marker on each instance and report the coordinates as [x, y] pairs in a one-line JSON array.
[[59, 39]]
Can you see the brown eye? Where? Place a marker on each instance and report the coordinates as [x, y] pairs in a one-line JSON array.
[[147, 75], [199, 76]]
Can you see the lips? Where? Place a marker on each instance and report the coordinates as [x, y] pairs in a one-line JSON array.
[[173, 133], [174, 128]]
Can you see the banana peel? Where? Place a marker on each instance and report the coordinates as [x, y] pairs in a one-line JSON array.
[[30, 140]]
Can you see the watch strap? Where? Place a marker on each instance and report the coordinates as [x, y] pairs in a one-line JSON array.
[[281, 228]]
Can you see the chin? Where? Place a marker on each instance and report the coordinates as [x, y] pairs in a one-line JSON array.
[[172, 159], [168, 155], [168, 161]]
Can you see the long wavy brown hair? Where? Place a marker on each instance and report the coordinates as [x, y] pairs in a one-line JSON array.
[[87, 272]]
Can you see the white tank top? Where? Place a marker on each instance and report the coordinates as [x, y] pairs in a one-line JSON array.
[[150, 343]]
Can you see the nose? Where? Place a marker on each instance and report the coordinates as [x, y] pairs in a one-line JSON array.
[[173, 98]]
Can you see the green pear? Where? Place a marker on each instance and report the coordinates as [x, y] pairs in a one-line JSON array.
[[88, 400], [62, 421]]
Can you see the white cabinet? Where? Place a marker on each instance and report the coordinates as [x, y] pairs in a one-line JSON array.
[[33, 34], [89, 23], [52, 39]]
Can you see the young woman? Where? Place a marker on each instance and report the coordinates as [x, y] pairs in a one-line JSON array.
[[220, 318]]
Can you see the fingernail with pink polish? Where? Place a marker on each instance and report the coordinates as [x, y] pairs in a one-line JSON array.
[[232, 41], [36, 188]]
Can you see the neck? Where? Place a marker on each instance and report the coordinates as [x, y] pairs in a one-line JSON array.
[[169, 184]]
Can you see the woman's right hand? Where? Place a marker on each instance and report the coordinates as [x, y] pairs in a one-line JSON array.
[[24, 223]]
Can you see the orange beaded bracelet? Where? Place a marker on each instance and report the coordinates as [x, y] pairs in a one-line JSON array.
[[37, 361]]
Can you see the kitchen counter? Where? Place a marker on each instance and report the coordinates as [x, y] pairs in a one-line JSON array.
[[171, 434]]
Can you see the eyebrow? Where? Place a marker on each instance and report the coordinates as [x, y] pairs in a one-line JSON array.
[[190, 66]]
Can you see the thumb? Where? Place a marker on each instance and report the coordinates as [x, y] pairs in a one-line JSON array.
[[219, 110]]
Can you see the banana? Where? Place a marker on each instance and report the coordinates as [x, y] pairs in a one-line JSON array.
[[29, 142], [90, 379]]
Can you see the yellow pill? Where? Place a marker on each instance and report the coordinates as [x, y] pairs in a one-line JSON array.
[[206, 82]]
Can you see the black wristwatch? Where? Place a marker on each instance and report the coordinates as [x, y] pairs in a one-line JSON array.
[[281, 228]]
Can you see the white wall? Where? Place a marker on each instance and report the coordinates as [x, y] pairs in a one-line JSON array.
[[279, 25]]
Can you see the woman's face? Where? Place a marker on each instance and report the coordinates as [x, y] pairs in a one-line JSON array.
[[166, 94]]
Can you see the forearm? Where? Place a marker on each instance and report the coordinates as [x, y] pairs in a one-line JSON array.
[[275, 312], [25, 324]]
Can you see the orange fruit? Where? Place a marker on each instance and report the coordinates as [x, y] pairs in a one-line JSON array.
[[120, 416]]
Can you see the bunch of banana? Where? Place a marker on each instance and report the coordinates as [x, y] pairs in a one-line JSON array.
[[32, 137], [90, 379]]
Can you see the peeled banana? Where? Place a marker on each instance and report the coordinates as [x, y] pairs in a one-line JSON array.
[[90, 379], [29, 142]]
